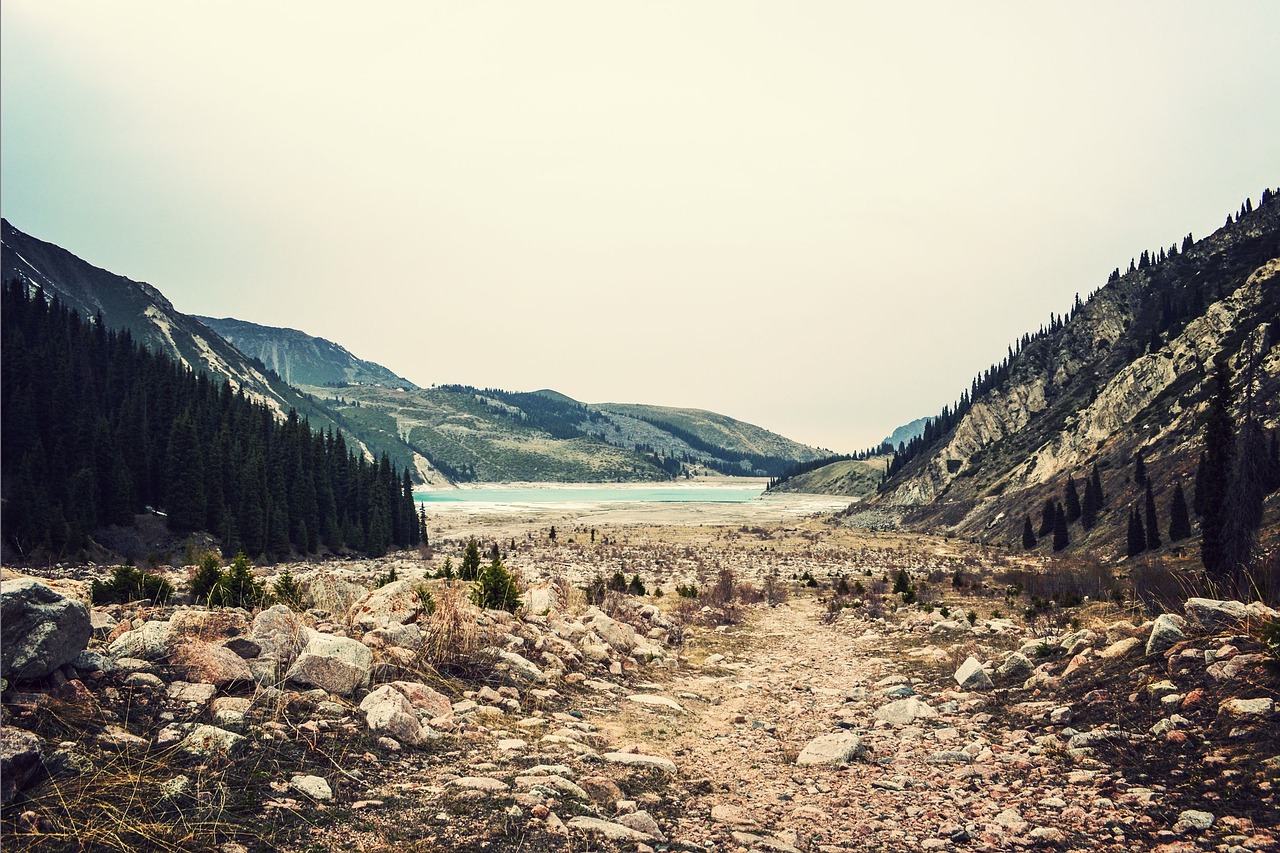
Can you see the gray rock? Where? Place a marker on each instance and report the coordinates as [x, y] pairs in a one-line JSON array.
[[904, 712], [197, 694], [208, 741], [611, 831], [1165, 632], [1246, 709], [40, 629], [831, 749], [642, 821], [152, 641], [279, 633], [1016, 667], [389, 713], [1212, 614], [521, 669], [311, 786], [484, 784], [20, 761], [1192, 820], [210, 663], [396, 603], [971, 675], [336, 664]]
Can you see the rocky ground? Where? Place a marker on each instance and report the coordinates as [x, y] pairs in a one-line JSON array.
[[838, 718]]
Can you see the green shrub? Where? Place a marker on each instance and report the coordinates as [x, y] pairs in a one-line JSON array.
[[207, 577], [689, 591], [287, 591], [384, 579], [238, 588], [446, 571], [618, 583], [495, 588], [425, 597], [595, 590], [470, 570], [636, 587], [130, 584]]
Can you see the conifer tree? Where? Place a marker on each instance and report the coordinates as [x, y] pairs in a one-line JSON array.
[[1046, 518], [1028, 534], [1179, 520], [1152, 526], [1097, 488], [1089, 506], [1072, 500], [470, 568], [1139, 469], [1137, 539], [1061, 537], [1219, 440], [184, 476]]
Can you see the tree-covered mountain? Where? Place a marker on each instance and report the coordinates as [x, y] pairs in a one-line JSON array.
[[152, 321], [1110, 402], [302, 359], [96, 429]]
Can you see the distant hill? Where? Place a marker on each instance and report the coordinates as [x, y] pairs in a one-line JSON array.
[[153, 321], [1127, 371], [855, 478], [302, 359]]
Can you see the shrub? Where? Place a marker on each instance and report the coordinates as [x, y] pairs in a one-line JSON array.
[[470, 570], [775, 592], [636, 587], [384, 579], [687, 591], [446, 571], [206, 577], [287, 591], [723, 590], [425, 598], [495, 588], [618, 583], [748, 593], [238, 588], [130, 584], [453, 640], [972, 616], [595, 590]]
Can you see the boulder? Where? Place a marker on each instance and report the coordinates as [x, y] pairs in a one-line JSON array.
[[1016, 667], [904, 712], [394, 636], [209, 624], [521, 669], [541, 599], [1165, 632], [40, 629], [971, 675], [620, 636], [611, 831], [151, 641], [279, 633], [396, 603], [311, 786], [831, 749], [20, 761], [387, 712], [423, 698], [1120, 648], [336, 664], [1212, 614], [212, 663], [207, 741]]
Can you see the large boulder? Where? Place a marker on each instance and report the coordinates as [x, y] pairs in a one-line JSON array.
[[831, 749], [279, 633], [397, 603], [210, 663], [336, 664], [1166, 631], [1212, 614], [971, 675], [42, 629], [620, 636], [424, 699], [20, 761]]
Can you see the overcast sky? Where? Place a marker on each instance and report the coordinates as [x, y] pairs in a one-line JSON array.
[[823, 218]]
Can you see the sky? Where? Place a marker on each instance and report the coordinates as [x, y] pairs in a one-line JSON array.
[[823, 218]]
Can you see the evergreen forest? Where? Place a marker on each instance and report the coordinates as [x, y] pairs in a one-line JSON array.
[[97, 429]]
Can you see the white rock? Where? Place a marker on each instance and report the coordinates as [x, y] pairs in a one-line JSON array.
[[971, 675], [831, 749], [311, 786]]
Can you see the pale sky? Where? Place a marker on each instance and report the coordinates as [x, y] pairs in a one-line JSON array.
[[821, 217]]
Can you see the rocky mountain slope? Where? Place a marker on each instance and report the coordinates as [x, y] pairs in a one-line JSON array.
[[302, 359], [1128, 370]]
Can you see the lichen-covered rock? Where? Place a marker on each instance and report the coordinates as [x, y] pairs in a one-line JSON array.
[[831, 749], [279, 633], [396, 603], [212, 663], [971, 675], [387, 712], [40, 629], [336, 664], [1165, 632], [209, 741], [20, 761], [151, 641], [1212, 614], [424, 699]]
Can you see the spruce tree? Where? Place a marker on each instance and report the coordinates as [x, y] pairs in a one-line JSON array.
[[470, 568], [1089, 506], [1137, 540], [1179, 521], [1219, 439], [1028, 534], [1152, 526], [1246, 494], [1139, 469], [1097, 488], [1046, 518], [184, 477], [1060, 536], [1072, 500]]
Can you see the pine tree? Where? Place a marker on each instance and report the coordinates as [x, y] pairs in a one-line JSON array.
[[1072, 500], [1219, 439], [184, 476], [1246, 494], [1139, 469], [1046, 518], [1028, 534], [1060, 536], [470, 568], [1089, 506], [1137, 540], [1152, 526], [1097, 488], [1179, 521]]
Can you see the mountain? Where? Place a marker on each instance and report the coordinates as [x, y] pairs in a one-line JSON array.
[[906, 432], [855, 478], [1128, 371], [152, 321], [302, 359], [493, 435]]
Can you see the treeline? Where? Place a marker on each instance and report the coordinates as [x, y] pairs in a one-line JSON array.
[[97, 428], [557, 418], [805, 467], [1181, 299]]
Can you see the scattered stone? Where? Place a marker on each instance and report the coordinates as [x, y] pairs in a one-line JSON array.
[[195, 694], [484, 784], [904, 712], [311, 786], [602, 789], [208, 741], [212, 664], [1016, 667], [657, 701], [389, 713], [1120, 648], [1192, 820], [642, 821], [631, 759], [611, 831], [1165, 632], [831, 749], [1213, 614], [1246, 709], [734, 816]]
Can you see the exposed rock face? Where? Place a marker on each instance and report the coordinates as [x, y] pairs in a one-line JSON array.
[[42, 629]]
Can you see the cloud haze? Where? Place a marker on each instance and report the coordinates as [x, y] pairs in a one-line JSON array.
[[823, 218]]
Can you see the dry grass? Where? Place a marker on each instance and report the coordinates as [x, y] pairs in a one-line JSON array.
[[454, 641]]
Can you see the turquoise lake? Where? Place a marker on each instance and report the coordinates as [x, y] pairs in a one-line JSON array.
[[580, 494]]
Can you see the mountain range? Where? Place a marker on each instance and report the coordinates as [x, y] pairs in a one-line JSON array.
[[447, 433]]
